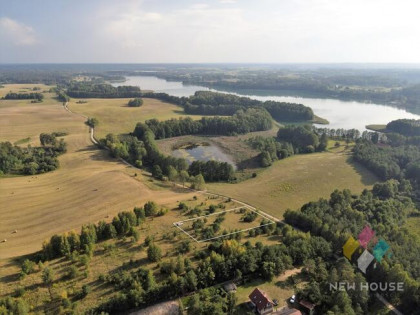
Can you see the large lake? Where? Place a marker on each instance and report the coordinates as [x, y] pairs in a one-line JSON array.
[[340, 114]]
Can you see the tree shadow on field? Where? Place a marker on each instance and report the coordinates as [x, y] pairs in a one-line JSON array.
[[367, 177], [9, 278]]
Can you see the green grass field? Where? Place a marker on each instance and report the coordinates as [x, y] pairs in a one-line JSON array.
[[380, 128], [294, 181]]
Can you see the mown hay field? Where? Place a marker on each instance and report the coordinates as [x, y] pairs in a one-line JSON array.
[[115, 116], [88, 186]]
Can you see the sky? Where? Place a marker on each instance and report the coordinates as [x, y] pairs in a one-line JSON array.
[[209, 31]]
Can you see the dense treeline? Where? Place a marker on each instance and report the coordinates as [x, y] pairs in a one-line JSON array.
[[386, 208], [406, 127], [303, 138], [93, 90], [388, 161], [212, 171], [213, 103], [31, 160], [241, 122], [25, 96]]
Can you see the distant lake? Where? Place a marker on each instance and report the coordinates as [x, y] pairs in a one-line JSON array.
[[162, 86], [202, 152], [340, 114]]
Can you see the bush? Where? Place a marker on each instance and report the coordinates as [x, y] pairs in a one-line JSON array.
[[85, 291], [154, 253], [150, 208], [137, 102]]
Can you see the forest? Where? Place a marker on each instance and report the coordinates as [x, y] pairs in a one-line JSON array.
[[303, 138], [386, 208], [213, 103], [405, 127], [31, 160], [243, 121], [95, 90]]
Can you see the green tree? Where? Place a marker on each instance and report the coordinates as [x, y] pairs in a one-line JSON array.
[[157, 172], [172, 174], [184, 177], [268, 270], [137, 102], [48, 278], [92, 122], [198, 182], [154, 253], [231, 302], [191, 280], [150, 208]]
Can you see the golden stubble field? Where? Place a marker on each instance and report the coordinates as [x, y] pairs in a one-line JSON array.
[[86, 188], [115, 116]]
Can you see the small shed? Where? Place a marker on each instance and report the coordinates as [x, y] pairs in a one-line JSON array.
[[307, 306], [230, 287]]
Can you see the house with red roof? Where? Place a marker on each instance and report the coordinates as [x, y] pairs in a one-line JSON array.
[[261, 301]]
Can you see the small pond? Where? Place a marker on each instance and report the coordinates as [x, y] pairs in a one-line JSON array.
[[202, 152]]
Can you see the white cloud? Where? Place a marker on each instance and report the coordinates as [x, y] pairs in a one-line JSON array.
[[17, 33]]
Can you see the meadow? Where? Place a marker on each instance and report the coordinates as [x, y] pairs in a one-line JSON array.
[[292, 182]]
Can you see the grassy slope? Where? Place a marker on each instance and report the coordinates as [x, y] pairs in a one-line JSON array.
[[292, 182], [87, 187], [116, 117]]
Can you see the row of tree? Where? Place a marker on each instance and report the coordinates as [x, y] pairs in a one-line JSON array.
[[95, 90], [121, 225], [24, 96], [243, 121]]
